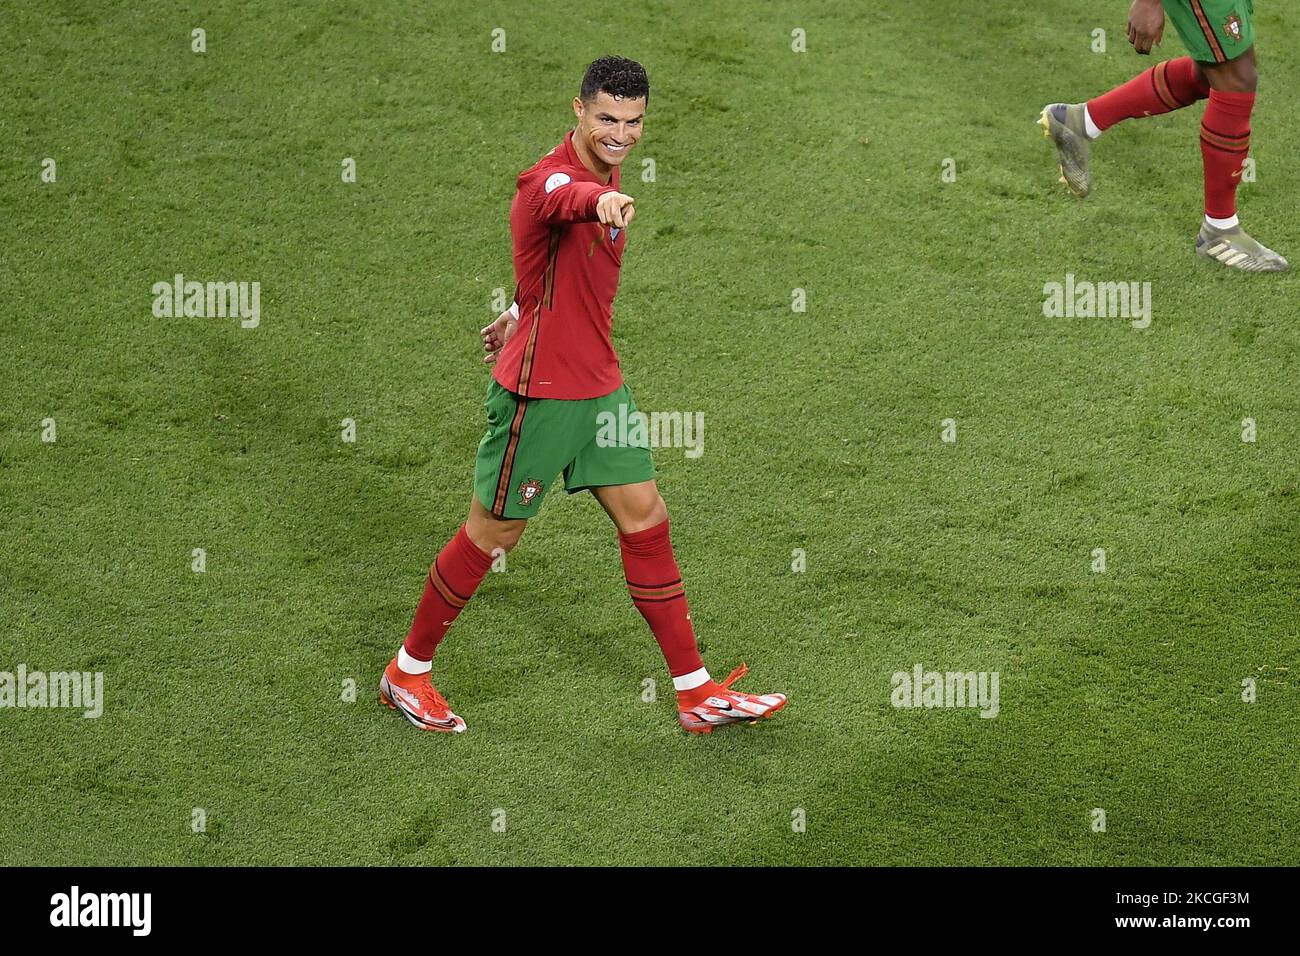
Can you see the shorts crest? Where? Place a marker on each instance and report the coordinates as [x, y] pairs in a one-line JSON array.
[[529, 490]]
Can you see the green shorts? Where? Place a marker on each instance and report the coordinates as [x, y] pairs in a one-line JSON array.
[[531, 440], [1214, 31]]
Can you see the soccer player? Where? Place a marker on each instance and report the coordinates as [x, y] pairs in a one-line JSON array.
[[554, 372], [1220, 36]]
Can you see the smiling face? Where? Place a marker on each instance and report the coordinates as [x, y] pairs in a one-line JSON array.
[[608, 128]]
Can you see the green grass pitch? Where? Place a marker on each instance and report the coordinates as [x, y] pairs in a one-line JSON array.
[[775, 171]]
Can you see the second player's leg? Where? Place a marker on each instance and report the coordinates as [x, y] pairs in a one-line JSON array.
[[1225, 146], [1225, 136], [1167, 86]]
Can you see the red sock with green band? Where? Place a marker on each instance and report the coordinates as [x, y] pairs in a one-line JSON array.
[[658, 593], [456, 574], [1225, 141], [1167, 86]]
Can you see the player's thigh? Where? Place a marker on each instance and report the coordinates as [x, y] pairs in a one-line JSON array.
[[527, 444], [618, 457], [1213, 31]]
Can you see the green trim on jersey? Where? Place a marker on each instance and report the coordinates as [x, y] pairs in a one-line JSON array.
[[531, 440], [1214, 31]]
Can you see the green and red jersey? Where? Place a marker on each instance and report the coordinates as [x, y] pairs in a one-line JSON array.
[[566, 275]]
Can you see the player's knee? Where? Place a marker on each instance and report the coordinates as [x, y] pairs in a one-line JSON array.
[[494, 535], [508, 535], [1249, 77], [661, 511], [655, 513], [1242, 75]]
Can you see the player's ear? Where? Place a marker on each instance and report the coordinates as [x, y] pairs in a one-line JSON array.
[[577, 107]]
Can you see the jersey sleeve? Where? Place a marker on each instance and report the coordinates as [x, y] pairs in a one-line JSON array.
[[552, 196]]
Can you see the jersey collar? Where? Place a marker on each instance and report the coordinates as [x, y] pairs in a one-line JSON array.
[[573, 159]]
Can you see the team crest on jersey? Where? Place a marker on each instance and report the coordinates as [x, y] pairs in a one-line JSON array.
[[1233, 28], [528, 491]]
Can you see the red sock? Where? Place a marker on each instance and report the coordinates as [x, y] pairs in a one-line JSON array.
[[1167, 86], [1225, 140], [658, 593], [456, 573]]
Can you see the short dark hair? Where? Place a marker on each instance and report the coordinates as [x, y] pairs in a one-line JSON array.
[[618, 76]]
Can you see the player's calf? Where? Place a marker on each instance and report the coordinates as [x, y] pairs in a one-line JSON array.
[[1225, 146], [453, 578]]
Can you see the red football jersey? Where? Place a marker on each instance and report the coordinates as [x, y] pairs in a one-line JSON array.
[[566, 274]]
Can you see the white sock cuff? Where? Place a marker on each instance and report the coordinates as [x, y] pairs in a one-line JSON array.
[[692, 680], [1230, 223], [410, 665], [1089, 126]]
